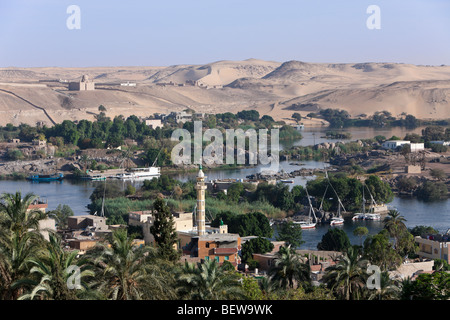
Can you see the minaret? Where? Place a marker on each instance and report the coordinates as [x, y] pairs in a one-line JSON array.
[[200, 187]]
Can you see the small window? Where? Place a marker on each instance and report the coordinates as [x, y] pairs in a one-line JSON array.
[[217, 259], [227, 258], [207, 245], [207, 258]]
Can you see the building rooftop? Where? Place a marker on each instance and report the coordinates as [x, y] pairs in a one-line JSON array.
[[219, 237]]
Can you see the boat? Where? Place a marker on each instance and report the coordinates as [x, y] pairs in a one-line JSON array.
[[93, 177], [335, 221], [287, 181], [140, 173], [97, 177], [338, 219], [361, 215], [373, 214], [46, 177], [309, 224]]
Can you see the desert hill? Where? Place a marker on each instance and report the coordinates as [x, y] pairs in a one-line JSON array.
[[30, 95]]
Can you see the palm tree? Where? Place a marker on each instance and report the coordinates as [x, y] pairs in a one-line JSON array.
[[289, 269], [19, 240], [394, 223], [208, 281], [127, 272], [15, 252], [348, 276], [15, 215], [52, 269]]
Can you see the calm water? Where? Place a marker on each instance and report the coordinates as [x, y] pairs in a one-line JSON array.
[[315, 135], [435, 214]]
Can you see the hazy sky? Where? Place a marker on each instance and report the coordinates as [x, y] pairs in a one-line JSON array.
[[34, 33]]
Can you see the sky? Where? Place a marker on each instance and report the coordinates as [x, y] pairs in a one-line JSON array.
[[35, 33]]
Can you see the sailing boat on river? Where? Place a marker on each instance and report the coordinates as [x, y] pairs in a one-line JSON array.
[[371, 215], [309, 224]]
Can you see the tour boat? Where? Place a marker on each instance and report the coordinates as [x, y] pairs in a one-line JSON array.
[[97, 177], [140, 173]]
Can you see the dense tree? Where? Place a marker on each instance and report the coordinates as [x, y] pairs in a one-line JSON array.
[[291, 233], [163, 230], [432, 191], [250, 224], [379, 251], [334, 240], [256, 245]]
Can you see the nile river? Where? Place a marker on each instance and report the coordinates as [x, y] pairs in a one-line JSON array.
[[416, 212]]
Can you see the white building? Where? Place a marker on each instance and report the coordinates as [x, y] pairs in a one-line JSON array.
[[394, 144], [154, 123]]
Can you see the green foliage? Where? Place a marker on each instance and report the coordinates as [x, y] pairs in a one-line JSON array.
[[379, 251], [163, 230], [250, 224], [251, 115], [422, 230], [107, 190], [256, 245], [432, 191], [60, 214], [291, 233], [334, 240], [14, 154], [433, 286]]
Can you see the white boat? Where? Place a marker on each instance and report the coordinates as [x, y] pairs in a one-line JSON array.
[[308, 224], [372, 216], [305, 224], [359, 216], [140, 173], [336, 221], [287, 181]]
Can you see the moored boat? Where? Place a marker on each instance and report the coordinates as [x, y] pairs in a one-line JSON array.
[[336, 221], [46, 177], [140, 173]]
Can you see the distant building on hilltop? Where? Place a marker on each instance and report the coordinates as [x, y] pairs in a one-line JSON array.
[[84, 85]]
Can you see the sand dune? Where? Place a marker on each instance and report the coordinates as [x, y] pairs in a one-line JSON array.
[[274, 88]]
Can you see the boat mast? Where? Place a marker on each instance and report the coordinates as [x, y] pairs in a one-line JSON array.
[[311, 208]]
